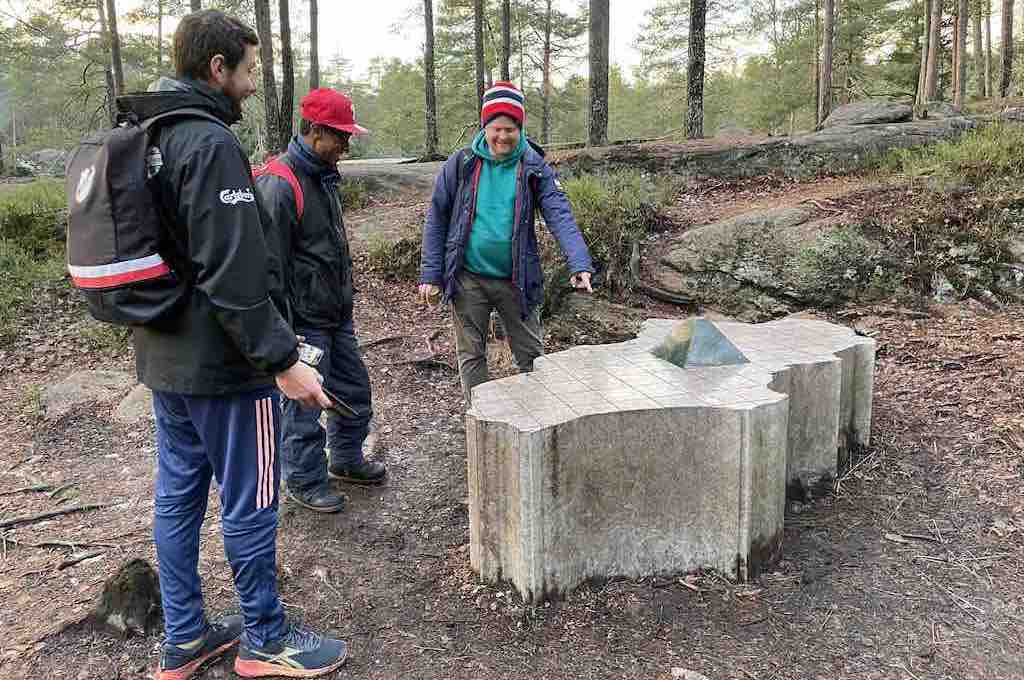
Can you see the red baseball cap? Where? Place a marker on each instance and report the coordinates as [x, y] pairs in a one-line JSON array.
[[331, 108]]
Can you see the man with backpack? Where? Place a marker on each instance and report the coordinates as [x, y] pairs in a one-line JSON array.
[[212, 363], [479, 241], [299, 192]]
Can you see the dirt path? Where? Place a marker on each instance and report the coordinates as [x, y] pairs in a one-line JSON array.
[[911, 570]]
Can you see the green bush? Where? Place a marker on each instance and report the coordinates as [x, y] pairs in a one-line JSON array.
[[21, 272], [977, 157], [31, 253], [396, 260], [614, 212], [354, 195], [33, 215]]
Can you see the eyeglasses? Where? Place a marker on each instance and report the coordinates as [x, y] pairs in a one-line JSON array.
[[342, 137]]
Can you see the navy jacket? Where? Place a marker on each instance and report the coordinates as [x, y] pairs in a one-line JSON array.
[[316, 268], [450, 218]]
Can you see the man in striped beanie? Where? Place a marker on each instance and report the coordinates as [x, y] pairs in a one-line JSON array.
[[480, 243]]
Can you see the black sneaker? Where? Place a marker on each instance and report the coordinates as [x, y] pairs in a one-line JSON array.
[[369, 472], [319, 498], [299, 654], [181, 663]]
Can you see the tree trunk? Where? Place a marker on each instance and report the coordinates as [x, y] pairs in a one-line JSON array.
[[159, 36], [961, 54], [599, 39], [108, 73], [546, 77], [988, 48], [506, 38], [817, 61], [478, 48], [197, 5], [922, 71], [978, 49], [1007, 49], [827, 42], [314, 45], [270, 105], [287, 73], [428, 78], [695, 71], [932, 76], [115, 47]]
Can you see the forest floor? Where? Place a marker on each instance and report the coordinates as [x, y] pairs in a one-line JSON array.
[[910, 569]]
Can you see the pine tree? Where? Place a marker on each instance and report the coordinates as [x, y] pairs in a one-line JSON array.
[[270, 102], [429, 79], [695, 71], [314, 45], [599, 39]]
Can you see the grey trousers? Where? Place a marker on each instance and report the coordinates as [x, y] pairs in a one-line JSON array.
[[471, 315]]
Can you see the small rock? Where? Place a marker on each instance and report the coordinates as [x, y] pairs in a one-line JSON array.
[[686, 674], [130, 602], [83, 387], [136, 407]]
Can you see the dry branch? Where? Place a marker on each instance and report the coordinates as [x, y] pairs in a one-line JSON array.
[[32, 519]]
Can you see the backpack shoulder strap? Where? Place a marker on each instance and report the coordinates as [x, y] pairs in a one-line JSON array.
[[276, 167]]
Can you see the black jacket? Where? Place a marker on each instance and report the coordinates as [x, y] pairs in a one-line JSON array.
[[316, 267], [229, 337]]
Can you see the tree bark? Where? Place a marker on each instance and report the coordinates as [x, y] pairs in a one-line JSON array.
[[506, 38], [827, 42], [1007, 49], [159, 35], [961, 54], [922, 71], [546, 78], [270, 104], [978, 49], [599, 39], [478, 50], [287, 73], [196, 5], [695, 71], [115, 47], [108, 73], [314, 45], [932, 75], [817, 61], [988, 48], [428, 79]]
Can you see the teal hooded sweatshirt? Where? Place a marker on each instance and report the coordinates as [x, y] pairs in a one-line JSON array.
[[489, 251]]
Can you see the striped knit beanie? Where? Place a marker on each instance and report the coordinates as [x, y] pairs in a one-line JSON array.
[[504, 99]]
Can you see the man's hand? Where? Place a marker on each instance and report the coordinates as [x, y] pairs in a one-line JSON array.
[[430, 293], [581, 281], [302, 383]]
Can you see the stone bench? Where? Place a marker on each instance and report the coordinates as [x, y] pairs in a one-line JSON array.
[[664, 454]]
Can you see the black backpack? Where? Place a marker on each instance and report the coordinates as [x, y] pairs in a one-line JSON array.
[[120, 253]]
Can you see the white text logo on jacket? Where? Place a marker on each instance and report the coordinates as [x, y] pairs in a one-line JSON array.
[[233, 196]]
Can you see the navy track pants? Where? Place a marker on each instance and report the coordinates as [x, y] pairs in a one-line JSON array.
[[233, 438]]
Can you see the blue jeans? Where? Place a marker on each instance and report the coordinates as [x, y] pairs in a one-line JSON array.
[[344, 372], [231, 438]]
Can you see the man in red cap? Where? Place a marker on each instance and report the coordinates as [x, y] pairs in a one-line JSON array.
[[299, 193]]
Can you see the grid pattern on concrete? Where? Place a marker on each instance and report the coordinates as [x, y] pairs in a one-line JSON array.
[[598, 379]]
